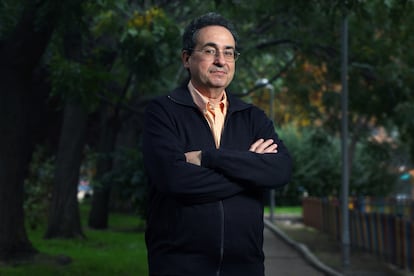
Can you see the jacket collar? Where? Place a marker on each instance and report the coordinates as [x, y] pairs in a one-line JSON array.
[[181, 95]]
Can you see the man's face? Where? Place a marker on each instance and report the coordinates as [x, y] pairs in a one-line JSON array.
[[211, 72]]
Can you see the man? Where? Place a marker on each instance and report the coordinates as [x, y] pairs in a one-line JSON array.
[[209, 157]]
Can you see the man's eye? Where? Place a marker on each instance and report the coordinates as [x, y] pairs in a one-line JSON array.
[[229, 53], [210, 51]]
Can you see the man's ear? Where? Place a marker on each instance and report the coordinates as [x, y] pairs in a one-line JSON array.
[[185, 56]]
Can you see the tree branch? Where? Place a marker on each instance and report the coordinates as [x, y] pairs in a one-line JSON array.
[[275, 42], [275, 77]]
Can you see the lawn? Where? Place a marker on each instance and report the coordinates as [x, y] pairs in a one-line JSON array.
[[120, 250], [285, 210]]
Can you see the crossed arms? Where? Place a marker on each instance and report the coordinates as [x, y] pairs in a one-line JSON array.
[[260, 146], [211, 174]]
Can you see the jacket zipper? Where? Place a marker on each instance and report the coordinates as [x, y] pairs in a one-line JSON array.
[[221, 239], [224, 127]]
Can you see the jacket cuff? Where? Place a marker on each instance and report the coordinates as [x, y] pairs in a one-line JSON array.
[[208, 158]]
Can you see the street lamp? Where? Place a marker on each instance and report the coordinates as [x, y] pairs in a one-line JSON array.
[[345, 237], [266, 84]]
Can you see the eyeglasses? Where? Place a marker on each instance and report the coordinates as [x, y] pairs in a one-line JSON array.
[[230, 54]]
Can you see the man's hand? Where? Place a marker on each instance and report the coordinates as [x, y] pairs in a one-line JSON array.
[[193, 157], [262, 146]]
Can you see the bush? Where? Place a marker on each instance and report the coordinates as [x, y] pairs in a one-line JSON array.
[[128, 182], [38, 188], [317, 166]]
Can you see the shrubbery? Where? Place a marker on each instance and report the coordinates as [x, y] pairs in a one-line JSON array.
[[317, 166], [128, 182], [317, 172], [38, 188]]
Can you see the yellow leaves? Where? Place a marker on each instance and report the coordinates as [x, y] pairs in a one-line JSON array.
[[317, 71], [136, 21], [336, 87], [145, 20], [317, 90], [113, 21]]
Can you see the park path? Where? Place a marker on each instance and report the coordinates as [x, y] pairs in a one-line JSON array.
[[285, 257], [282, 259]]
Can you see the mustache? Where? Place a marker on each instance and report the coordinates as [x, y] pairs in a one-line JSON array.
[[218, 69]]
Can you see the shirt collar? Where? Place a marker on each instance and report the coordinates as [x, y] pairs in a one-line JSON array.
[[202, 101], [182, 95]]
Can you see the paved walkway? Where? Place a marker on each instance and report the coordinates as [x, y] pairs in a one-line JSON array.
[[284, 257]]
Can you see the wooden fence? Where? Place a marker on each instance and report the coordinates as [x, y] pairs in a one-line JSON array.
[[380, 226]]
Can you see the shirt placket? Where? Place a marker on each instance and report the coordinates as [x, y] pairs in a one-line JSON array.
[[216, 119]]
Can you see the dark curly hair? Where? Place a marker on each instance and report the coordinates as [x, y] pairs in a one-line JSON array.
[[209, 19]]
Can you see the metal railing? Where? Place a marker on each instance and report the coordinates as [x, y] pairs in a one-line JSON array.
[[383, 227]]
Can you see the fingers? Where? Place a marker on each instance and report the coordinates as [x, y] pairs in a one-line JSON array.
[[254, 146], [193, 157], [267, 146], [264, 146]]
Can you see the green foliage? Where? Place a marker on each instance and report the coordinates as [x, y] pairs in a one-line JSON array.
[[380, 60], [290, 210], [78, 82], [129, 182], [151, 39], [372, 171], [120, 46], [143, 40], [316, 162], [118, 251], [10, 11], [317, 165], [38, 188]]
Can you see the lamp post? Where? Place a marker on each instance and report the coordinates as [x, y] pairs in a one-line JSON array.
[[345, 237], [266, 84]]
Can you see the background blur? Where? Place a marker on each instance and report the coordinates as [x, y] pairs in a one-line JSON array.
[[75, 77]]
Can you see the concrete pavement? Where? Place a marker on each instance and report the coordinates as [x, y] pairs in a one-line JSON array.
[[285, 257]]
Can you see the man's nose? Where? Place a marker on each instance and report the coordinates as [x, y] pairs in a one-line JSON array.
[[219, 58]]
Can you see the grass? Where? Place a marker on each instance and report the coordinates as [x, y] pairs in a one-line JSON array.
[[285, 210], [120, 250]]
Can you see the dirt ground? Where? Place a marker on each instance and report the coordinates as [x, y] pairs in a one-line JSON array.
[[328, 251]]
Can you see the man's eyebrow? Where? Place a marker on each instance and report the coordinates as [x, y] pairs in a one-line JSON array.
[[212, 44]]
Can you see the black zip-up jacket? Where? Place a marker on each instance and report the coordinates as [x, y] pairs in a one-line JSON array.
[[207, 220]]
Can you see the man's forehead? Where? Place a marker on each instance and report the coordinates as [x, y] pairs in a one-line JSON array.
[[218, 35]]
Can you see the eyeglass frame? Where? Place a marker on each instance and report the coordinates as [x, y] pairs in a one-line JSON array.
[[205, 52]]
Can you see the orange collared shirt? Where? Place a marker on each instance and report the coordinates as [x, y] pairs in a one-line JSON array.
[[214, 113]]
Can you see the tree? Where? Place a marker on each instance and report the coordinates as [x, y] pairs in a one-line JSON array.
[[64, 217], [379, 78], [20, 52], [295, 44], [317, 170], [142, 50]]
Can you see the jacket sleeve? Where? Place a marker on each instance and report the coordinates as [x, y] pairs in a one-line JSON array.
[[166, 165], [253, 170]]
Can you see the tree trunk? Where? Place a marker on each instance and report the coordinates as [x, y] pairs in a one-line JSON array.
[[14, 243], [98, 217], [64, 216], [64, 219], [19, 55]]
